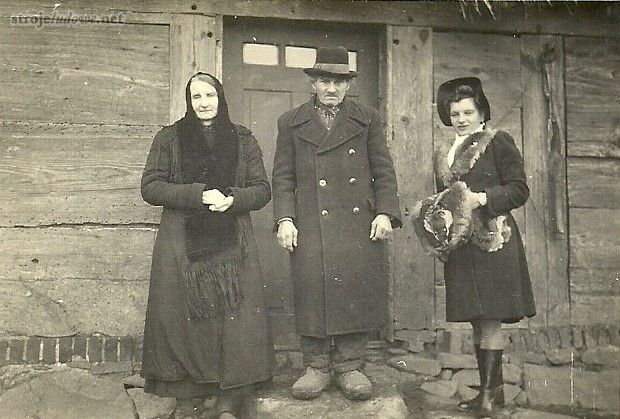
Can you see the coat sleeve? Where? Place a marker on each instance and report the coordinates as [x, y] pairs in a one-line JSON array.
[[513, 190], [156, 186], [284, 179], [382, 170], [256, 191]]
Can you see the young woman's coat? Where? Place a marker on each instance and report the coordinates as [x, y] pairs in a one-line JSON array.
[[490, 285]]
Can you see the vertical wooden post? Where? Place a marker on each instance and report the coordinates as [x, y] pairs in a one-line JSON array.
[[546, 240], [195, 45], [410, 137]]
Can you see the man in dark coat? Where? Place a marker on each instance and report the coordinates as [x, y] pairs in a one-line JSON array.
[[335, 200]]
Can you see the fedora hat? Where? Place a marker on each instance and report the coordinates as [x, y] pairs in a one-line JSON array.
[[331, 62], [448, 88]]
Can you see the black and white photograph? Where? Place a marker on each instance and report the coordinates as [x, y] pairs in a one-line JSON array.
[[220, 209]]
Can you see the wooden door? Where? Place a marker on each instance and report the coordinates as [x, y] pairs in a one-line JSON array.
[[263, 78], [519, 76]]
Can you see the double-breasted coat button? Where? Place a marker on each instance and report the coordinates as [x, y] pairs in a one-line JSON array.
[[322, 182], [356, 210], [324, 212], [352, 181], [351, 151]]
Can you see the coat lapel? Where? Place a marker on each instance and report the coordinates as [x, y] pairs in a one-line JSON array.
[[307, 126], [349, 122]]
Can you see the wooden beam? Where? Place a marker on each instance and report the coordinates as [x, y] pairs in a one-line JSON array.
[[195, 45], [115, 74], [74, 174], [409, 103], [83, 306], [558, 18], [545, 211], [592, 92], [98, 253], [593, 182], [594, 242]]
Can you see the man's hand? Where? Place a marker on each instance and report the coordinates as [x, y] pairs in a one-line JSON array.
[[223, 205], [287, 235], [380, 228]]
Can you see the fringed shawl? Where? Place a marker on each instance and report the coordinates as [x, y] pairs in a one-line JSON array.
[[213, 254]]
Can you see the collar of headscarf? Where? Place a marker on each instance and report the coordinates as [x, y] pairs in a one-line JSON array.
[[209, 155]]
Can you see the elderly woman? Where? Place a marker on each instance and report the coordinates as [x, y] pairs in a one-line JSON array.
[[206, 329], [487, 279]]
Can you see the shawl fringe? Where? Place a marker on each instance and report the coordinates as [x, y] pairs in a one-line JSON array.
[[213, 285]]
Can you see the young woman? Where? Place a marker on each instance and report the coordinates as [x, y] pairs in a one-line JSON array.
[[484, 286], [206, 329]]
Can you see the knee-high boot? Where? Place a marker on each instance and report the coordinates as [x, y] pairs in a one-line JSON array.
[[493, 390], [474, 403]]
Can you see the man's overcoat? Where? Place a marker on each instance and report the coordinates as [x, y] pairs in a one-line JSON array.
[[333, 183]]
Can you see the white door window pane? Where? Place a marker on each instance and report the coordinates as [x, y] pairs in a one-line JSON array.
[[299, 57], [352, 61], [260, 54]]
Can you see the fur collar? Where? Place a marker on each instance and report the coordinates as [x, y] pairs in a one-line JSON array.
[[466, 155]]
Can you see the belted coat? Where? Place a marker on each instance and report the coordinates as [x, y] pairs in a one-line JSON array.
[[333, 183]]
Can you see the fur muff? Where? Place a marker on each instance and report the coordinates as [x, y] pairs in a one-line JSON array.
[[451, 218]]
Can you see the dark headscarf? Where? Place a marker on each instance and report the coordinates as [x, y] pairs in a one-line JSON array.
[[209, 155]]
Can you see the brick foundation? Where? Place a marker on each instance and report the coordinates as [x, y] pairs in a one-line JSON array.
[[101, 348]]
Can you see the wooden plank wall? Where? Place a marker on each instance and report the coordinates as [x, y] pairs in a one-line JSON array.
[[79, 106], [581, 18], [546, 238], [409, 112], [593, 129]]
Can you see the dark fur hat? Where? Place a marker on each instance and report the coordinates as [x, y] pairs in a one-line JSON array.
[[447, 89]]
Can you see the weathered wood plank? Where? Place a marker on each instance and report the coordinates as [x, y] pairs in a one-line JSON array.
[[58, 174], [85, 74], [75, 305], [536, 18], [545, 220], [494, 59], [588, 309], [195, 45], [410, 111], [593, 182], [595, 281], [594, 238], [590, 149], [592, 91], [115, 254]]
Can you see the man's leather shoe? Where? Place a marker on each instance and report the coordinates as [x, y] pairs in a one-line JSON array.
[[355, 385], [311, 384]]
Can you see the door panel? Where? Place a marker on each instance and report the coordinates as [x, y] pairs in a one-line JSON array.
[[260, 107], [258, 94]]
